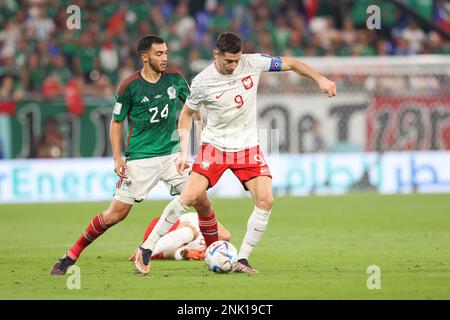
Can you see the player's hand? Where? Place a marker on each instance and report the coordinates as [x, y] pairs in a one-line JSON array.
[[181, 164], [119, 167], [327, 86]]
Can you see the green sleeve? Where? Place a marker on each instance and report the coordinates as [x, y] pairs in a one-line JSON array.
[[123, 104]]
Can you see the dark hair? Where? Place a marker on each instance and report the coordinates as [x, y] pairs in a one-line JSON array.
[[146, 43], [229, 42]]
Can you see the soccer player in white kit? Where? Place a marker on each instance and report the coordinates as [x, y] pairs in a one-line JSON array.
[[227, 90]]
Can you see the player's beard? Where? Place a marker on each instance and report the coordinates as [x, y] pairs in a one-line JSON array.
[[158, 66]]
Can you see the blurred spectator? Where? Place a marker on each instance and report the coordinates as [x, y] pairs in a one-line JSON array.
[[184, 23], [35, 43], [73, 95], [103, 87], [86, 56], [10, 89], [109, 59], [39, 25], [127, 68], [52, 86], [58, 67], [36, 76], [219, 21], [443, 15], [281, 35], [9, 38], [414, 36], [10, 93], [51, 143]]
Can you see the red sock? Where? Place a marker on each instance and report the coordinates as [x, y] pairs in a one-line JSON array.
[[94, 230], [208, 227]]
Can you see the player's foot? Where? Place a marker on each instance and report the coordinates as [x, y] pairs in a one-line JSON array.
[[60, 267], [243, 266], [193, 254], [142, 260]]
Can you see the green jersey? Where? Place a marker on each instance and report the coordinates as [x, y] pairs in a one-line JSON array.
[[151, 112]]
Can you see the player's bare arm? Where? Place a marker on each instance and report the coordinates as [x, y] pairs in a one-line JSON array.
[[184, 129], [326, 86], [198, 121], [115, 135]]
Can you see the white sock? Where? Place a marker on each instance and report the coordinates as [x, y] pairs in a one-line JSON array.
[[173, 240], [257, 224], [171, 214]]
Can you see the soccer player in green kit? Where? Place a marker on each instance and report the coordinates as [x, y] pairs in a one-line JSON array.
[[149, 100]]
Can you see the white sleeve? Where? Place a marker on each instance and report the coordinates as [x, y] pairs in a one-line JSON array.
[[263, 62], [196, 97]]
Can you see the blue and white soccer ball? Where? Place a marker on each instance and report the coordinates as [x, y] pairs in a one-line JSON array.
[[221, 257]]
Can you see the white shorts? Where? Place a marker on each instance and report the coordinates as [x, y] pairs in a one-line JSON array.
[[144, 174]]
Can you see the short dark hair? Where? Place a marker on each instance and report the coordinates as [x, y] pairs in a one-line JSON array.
[[146, 43], [229, 42]]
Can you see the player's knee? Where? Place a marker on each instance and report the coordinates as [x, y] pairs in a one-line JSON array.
[[112, 217], [203, 205], [265, 203], [109, 219], [188, 198]]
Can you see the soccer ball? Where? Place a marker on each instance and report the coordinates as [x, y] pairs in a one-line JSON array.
[[221, 257]]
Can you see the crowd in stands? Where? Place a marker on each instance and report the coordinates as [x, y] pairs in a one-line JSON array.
[[40, 56]]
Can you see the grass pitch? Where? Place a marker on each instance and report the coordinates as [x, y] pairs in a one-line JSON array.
[[314, 248]]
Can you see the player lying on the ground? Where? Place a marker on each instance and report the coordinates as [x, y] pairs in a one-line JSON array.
[[184, 240]]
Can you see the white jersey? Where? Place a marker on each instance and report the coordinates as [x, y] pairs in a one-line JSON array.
[[230, 101]]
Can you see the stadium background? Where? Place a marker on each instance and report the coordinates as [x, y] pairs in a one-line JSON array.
[[387, 131]]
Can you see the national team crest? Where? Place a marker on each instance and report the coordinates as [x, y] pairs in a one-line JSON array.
[[172, 92], [247, 82]]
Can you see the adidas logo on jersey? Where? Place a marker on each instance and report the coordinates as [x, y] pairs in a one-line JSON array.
[[145, 99]]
